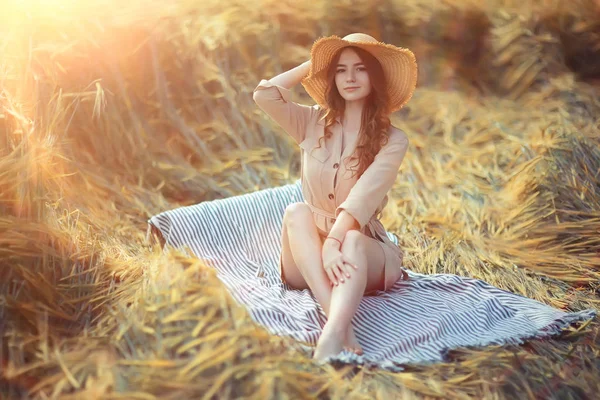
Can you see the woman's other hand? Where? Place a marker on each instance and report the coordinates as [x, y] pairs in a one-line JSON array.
[[336, 265]]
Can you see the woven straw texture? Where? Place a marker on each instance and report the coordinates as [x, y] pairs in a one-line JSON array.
[[399, 66]]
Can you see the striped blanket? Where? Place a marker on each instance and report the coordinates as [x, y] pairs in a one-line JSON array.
[[415, 322]]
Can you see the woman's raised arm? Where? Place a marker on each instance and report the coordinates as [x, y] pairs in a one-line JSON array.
[[274, 97]]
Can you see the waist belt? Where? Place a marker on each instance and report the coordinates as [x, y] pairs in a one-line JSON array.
[[369, 226], [321, 212]]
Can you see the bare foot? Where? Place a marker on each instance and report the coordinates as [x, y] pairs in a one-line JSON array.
[[351, 342], [330, 344]]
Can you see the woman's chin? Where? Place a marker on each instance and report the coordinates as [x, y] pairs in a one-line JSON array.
[[352, 97]]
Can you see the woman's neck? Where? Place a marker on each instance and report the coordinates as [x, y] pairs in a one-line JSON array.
[[351, 120]]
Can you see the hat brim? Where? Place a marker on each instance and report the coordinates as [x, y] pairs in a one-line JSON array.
[[399, 66]]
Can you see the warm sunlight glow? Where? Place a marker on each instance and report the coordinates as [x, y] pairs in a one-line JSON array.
[[38, 7], [27, 14], [170, 172]]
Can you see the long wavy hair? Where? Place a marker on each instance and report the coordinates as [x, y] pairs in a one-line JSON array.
[[375, 120]]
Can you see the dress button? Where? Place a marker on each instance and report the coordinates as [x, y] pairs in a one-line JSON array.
[[336, 166], [331, 196]]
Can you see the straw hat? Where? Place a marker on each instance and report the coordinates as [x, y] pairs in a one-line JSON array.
[[399, 66]]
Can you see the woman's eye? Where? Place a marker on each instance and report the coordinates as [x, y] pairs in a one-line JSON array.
[[358, 69]]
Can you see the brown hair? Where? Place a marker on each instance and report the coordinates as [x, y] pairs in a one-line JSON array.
[[375, 120]]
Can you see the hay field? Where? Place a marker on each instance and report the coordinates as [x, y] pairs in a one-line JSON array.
[[114, 111]]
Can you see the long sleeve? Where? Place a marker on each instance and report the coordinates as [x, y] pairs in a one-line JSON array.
[[373, 185], [276, 101]]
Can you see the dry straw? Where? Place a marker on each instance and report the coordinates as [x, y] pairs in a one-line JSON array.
[[113, 115]]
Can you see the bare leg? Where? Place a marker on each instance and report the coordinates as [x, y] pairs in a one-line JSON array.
[[346, 297], [305, 250], [302, 263]]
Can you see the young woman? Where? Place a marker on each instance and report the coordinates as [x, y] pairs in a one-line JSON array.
[[334, 243]]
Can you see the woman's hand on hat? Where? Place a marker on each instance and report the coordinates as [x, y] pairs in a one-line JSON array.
[[337, 266]]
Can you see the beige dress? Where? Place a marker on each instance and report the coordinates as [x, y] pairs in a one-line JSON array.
[[327, 186]]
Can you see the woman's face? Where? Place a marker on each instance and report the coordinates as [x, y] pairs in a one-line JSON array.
[[352, 73]]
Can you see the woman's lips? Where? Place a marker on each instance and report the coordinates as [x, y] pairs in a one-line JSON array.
[[351, 89]]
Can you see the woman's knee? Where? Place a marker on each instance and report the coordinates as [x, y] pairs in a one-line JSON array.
[[296, 213], [355, 247]]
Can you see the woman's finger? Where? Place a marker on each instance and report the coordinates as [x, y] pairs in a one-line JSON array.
[[335, 273], [349, 262], [330, 275], [339, 271], [348, 270], [344, 269]]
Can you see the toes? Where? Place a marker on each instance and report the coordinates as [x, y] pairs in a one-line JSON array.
[[355, 350]]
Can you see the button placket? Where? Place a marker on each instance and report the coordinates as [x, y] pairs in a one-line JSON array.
[[336, 165], [335, 174]]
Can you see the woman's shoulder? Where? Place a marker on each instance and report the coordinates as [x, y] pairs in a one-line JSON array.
[[319, 111], [319, 114], [316, 123], [397, 135]]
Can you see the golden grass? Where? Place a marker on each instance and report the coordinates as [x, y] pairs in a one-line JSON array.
[[115, 111]]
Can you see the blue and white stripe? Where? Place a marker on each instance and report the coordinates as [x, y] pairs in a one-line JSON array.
[[415, 322]]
